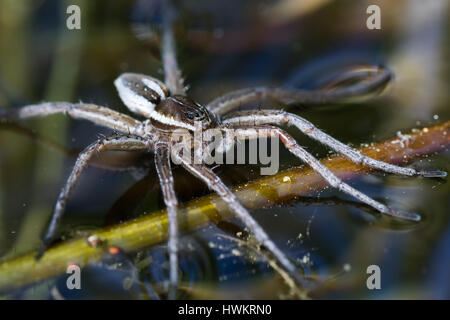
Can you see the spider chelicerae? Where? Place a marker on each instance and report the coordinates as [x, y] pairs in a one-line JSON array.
[[167, 109]]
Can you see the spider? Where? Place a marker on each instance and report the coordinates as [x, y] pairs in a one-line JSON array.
[[166, 108]]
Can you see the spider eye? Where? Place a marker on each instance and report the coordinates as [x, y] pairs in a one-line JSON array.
[[196, 115]]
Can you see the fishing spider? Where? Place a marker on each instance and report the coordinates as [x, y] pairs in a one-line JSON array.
[[167, 108]]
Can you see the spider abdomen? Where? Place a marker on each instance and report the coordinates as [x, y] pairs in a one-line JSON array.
[[140, 93]]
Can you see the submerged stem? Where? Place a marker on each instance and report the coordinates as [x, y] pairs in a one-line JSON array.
[[267, 191]]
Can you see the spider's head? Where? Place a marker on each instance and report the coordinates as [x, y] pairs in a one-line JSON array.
[[182, 112]]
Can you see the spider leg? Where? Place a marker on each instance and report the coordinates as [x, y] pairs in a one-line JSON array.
[[163, 168], [215, 183], [97, 114], [172, 73], [125, 143], [375, 78], [280, 117], [331, 178]]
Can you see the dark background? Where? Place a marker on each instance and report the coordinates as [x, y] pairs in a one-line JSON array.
[[223, 46]]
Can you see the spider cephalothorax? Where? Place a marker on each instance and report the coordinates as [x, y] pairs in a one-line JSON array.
[[166, 109], [150, 97], [184, 112]]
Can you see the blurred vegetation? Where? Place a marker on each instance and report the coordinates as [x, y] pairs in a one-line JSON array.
[[225, 46]]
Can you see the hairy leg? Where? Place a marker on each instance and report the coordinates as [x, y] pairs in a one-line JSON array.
[[172, 73], [125, 143], [163, 168], [97, 114], [375, 79], [331, 178], [215, 183], [256, 117]]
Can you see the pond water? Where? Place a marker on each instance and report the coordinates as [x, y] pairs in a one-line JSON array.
[[223, 48]]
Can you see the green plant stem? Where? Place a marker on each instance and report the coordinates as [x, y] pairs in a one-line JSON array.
[[264, 192]]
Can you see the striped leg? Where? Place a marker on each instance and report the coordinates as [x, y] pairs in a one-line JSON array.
[[333, 180], [112, 143], [163, 168], [97, 114], [369, 79], [280, 117], [215, 183]]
